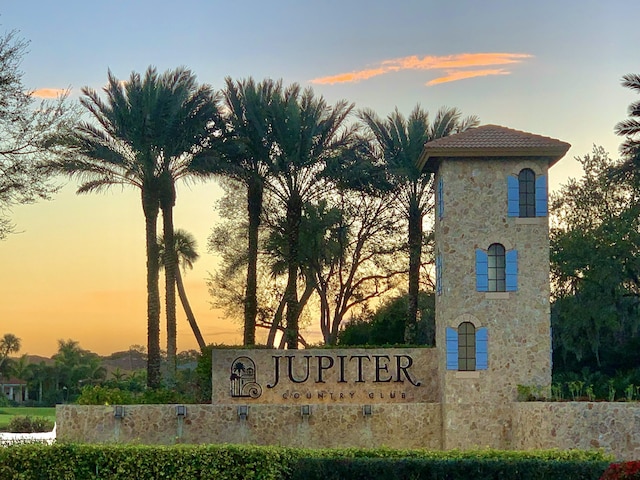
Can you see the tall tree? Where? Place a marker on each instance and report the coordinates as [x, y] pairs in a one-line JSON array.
[[595, 259], [145, 138], [246, 158], [630, 128], [8, 344], [188, 124], [76, 367], [398, 142], [186, 254], [28, 133], [366, 263], [227, 285], [349, 253], [307, 132]]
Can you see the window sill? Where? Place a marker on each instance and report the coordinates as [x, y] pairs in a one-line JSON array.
[[531, 220], [469, 374], [497, 295]]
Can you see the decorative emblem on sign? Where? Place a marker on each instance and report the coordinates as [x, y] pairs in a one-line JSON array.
[[243, 378]]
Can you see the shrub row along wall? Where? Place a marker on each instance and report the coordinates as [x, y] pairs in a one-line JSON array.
[[614, 427], [235, 462]]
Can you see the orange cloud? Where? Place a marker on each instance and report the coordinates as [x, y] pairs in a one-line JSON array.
[[48, 92], [454, 75], [451, 63]]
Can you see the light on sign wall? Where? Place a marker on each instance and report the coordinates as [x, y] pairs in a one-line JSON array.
[[181, 410], [367, 410], [243, 412], [118, 411], [305, 410]]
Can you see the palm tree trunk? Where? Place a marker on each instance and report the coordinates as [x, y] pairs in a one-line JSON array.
[[254, 207], [415, 252], [275, 325], [150, 207], [170, 264], [294, 216], [187, 310]]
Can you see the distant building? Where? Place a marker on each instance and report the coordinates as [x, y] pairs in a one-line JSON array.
[[14, 389]]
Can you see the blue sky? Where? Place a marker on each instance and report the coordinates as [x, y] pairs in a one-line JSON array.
[[566, 85]]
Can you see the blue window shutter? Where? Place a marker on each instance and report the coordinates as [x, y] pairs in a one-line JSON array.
[[482, 349], [452, 348], [541, 196], [482, 271], [511, 271], [513, 196], [440, 198]]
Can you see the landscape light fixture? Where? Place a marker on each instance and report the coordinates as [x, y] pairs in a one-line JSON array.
[[118, 411], [305, 410], [367, 410], [181, 411], [243, 412]]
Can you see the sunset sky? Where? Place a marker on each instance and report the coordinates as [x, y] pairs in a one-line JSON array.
[[76, 269]]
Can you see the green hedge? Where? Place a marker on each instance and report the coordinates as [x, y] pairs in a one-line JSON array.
[[236, 462], [420, 468]]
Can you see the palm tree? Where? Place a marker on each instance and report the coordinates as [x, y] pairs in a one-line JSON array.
[[190, 124], [8, 344], [38, 374], [185, 249], [630, 128], [246, 158], [398, 142], [121, 150], [140, 140], [307, 134]]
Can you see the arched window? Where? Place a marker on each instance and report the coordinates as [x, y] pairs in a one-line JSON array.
[[496, 268], [527, 192], [466, 347]]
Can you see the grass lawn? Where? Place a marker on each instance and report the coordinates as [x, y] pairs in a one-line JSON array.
[[7, 413]]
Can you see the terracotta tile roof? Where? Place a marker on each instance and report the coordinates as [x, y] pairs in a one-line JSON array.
[[492, 141], [11, 381]]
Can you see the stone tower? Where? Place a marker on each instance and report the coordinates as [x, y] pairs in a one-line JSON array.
[[492, 276]]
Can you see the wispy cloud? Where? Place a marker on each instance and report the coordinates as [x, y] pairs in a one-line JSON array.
[[48, 92], [454, 75], [456, 67]]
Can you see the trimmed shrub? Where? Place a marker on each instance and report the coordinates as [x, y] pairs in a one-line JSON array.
[[622, 471], [240, 462], [420, 468], [99, 395], [27, 424]]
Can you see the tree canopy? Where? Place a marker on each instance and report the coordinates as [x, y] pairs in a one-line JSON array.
[[30, 133]]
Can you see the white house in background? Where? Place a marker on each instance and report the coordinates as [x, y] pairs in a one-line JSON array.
[[14, 389]]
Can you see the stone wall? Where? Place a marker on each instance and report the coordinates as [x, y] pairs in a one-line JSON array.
[[395, 426], [613, 427]]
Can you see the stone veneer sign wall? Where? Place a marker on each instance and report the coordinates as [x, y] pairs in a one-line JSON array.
[[415, 397], [326, 377]]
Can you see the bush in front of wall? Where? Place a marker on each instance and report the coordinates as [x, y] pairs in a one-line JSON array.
[[144, 462], [622, 471], [433, 468], [27, 424], [239, 462]]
